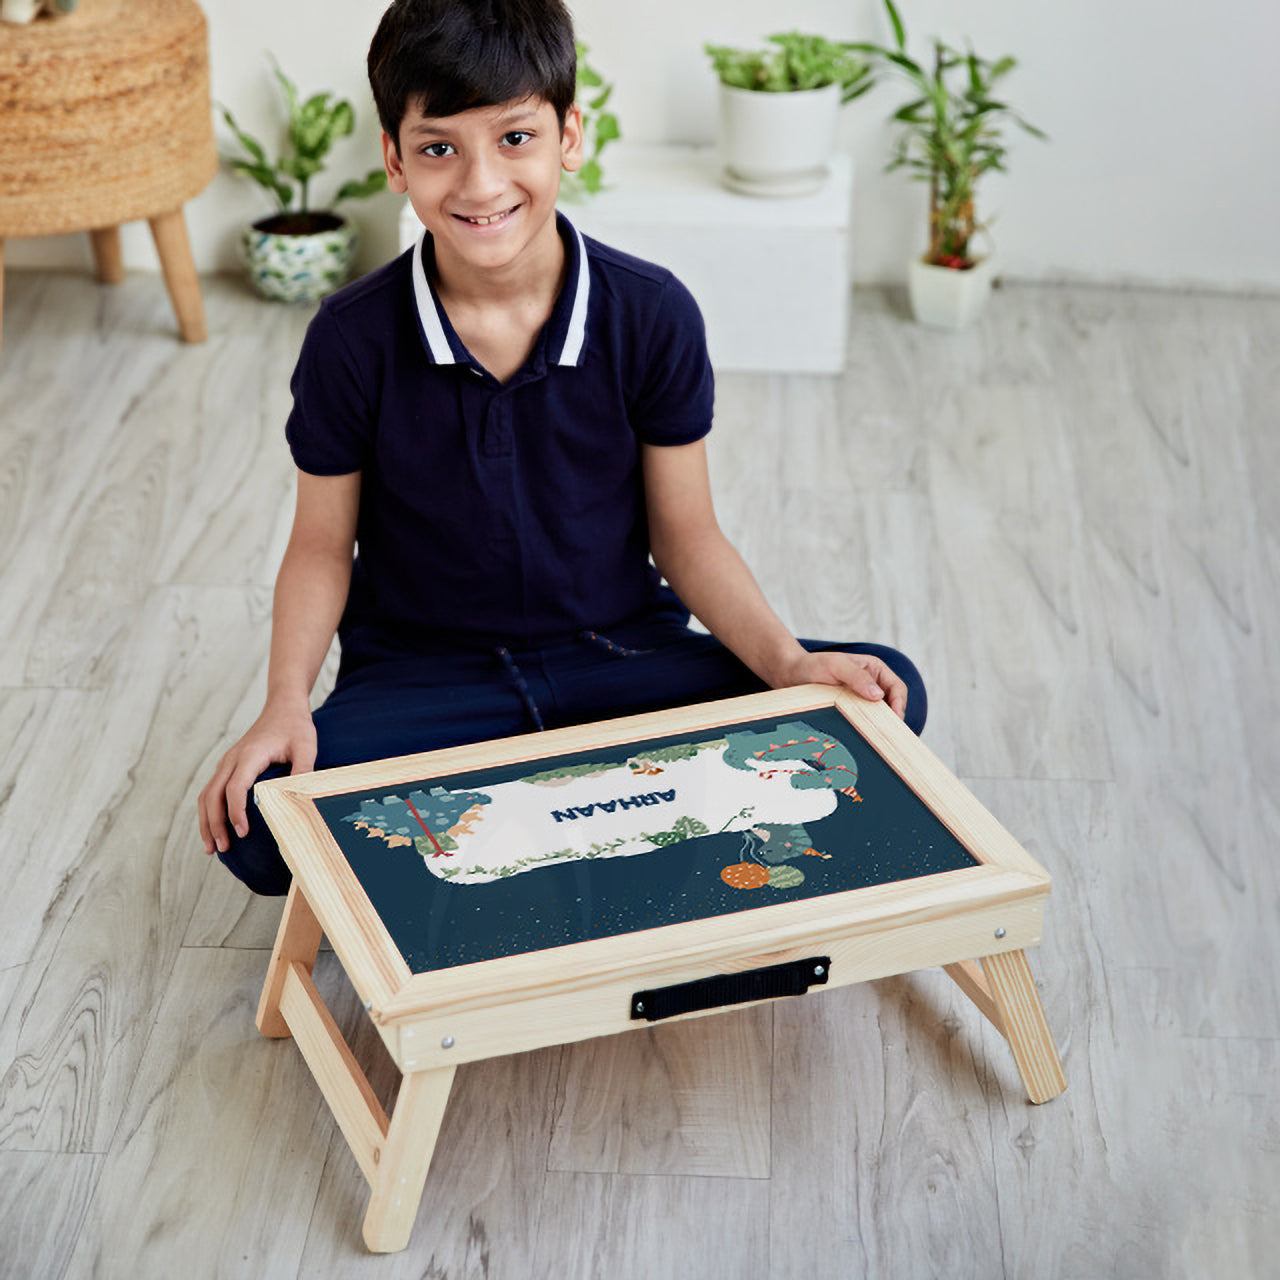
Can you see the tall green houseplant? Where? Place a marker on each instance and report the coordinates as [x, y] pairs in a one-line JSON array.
[[952, 133]]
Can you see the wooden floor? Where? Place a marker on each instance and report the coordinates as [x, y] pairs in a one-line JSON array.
[[1070, 516]]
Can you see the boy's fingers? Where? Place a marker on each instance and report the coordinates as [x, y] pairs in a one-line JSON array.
[[238, 801]]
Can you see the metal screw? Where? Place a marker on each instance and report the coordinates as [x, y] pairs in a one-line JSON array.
[[999, 933], [447, 1042], [818, 971], [639, 1006]]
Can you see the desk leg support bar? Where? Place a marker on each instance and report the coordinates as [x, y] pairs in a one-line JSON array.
[[1005, 992], [394, 1155], [297, 941]]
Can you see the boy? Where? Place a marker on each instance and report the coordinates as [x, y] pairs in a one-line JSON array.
[[503, 424]]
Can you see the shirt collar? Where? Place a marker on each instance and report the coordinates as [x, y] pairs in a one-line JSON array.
[[566, 330]]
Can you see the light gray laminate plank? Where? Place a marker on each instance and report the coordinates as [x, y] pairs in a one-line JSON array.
[[106, 942], [214, 1168], [686, 1098], [10, 979], [231, 491], [43, 1198], [228, 915], [881, 1152], [638, 1228], [1226, 1114], [56, 801], [1099, 1152], [1024, 650], [481, 1203]]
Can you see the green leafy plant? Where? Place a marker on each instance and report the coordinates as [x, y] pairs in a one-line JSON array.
[[795, 63], [952, 133], [599, 127], [313, 126]]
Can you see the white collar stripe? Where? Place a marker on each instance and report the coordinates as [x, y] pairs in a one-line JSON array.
[[574, 339], [441, 351]]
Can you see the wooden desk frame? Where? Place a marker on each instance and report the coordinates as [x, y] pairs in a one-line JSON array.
[[975, 922]]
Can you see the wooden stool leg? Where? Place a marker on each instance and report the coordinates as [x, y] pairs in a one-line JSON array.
[[406, 1157], [107, 256], [169, 231], [1017, 1003], [297, 941]]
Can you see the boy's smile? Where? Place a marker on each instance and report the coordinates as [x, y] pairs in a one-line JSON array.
[[484, 182]]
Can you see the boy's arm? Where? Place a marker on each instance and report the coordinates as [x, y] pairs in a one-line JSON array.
[[311, 591], [714, 583]]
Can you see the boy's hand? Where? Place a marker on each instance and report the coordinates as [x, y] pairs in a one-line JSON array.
[[866, 675], [280, 735]]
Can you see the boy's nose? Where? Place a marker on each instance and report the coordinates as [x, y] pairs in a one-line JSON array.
[[482, 180]]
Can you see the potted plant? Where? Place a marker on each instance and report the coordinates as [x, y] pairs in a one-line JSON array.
[[951, 134], [599, 129], [778, 110], [298, 253]]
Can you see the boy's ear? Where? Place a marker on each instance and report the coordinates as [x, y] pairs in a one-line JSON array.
[[395, 169], [571, 140]]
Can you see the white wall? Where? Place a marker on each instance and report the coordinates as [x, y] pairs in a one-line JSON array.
[[1164, 121]]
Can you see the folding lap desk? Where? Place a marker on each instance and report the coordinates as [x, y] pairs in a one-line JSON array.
[[538, 890]]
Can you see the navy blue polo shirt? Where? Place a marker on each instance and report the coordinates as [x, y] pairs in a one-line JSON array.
[[494, 513]]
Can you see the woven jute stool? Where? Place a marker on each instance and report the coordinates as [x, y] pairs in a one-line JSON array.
[[105, 119]]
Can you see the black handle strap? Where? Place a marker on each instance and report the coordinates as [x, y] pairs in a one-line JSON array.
[[791, 979]]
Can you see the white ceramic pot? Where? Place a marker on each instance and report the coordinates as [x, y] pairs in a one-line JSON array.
[[777, 144], [945, 298], [297, 268]]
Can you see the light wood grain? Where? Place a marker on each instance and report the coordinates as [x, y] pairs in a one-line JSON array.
[[1088, 458], [214, 1167], [43, 1198], [637, 1228], [683, 1100]]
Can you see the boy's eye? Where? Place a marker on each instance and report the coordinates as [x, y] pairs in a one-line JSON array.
[[516, 138], [437, 149]]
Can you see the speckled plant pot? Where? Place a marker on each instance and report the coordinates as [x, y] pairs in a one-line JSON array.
[[297, 268]]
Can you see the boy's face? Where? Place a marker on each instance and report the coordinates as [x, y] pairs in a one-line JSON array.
[[484, 182]]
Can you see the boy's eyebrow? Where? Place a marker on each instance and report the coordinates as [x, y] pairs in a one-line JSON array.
[[440, 124]]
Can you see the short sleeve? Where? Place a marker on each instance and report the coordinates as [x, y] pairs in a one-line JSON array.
[[330, 427], [677, 388]]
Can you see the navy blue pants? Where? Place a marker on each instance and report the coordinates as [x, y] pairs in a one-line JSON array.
[[387, 702]]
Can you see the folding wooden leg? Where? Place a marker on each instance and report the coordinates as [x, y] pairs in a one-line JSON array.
[[297, 941], [1004, 990], [169, 231], [108, 257], [405, 1158]]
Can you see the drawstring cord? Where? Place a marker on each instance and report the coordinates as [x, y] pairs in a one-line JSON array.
[[522, 685], [618, 650]]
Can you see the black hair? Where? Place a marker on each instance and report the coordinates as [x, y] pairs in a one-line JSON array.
[[446, 56]]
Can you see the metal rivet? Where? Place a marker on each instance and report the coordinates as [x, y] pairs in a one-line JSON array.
[[818, 971], [447, 1043], [999, 933], [639, 1006]]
